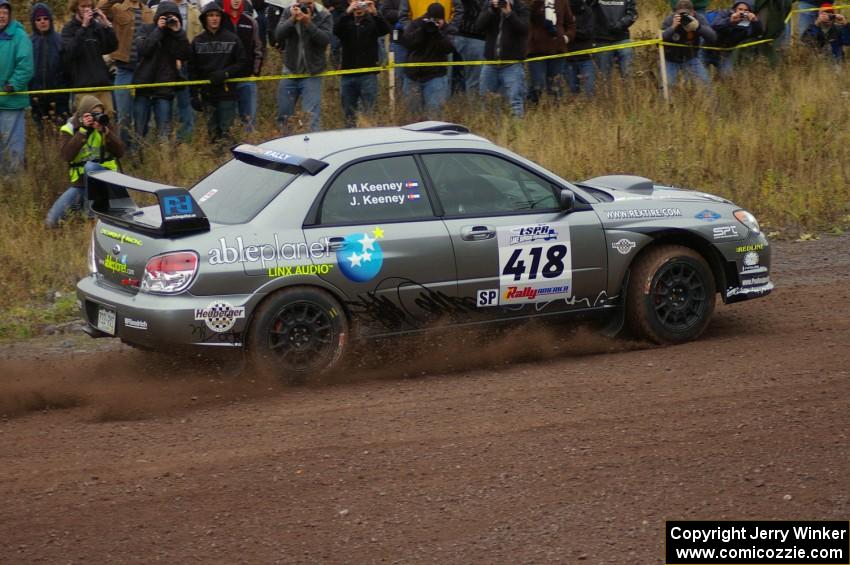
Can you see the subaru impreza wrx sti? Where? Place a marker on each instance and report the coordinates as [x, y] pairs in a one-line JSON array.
[[295, 247]]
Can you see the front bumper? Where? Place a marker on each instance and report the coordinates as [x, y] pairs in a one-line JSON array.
[[752, 259], [151, 320]]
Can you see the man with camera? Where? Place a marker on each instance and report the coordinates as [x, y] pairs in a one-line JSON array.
[[86, 38], [304, 32], [87, 144], [427, 42], [16, 68], [162, 46], [829, 33], [733, 27], [687, 29], [127, 17], [358, 31], [216, 55], [504, 24]]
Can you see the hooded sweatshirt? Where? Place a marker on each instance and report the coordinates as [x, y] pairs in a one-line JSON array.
[[219, 51], [689, 40], [159, 50], [46, 53], [15, 62], [730, 34], [248, 31]]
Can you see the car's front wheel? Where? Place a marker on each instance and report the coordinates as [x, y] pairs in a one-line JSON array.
[[671, 295], [298, 333]]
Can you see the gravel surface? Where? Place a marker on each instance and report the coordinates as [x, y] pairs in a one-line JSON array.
[[534, 445]]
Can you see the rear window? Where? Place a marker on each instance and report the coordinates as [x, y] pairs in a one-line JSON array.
[[235, 192]]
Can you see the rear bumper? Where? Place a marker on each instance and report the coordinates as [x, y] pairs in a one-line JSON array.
[[154, 320]]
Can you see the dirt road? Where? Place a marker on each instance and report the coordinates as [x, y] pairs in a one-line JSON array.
[[531, 447]]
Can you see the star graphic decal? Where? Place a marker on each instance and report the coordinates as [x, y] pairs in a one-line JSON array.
[[355, 259], [378, 233], [367, 242], [366, 256]]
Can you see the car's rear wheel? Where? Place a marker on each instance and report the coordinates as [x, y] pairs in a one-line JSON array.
[[671, 295], [297, 334]]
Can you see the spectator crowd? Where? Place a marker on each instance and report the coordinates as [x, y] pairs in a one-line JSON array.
[[163, 42]]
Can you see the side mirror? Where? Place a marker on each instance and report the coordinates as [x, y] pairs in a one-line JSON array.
[[566, 200]]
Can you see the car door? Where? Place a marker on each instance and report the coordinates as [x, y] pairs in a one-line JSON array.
[[390, 254], [517, 253]]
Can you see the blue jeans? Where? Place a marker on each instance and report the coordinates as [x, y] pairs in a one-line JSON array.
[[400, 56], [124, 103], [508, 81], [432, 94], [142, 106], [470, 49], [185, 114], [580, 76], [546, 76], [309, 90], [12, 140], [692, 67], [357, 89], [623, 57], [72, 199], [805, 19], [246, 100]]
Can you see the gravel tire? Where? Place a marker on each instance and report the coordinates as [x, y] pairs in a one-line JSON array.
[[671, 295], [298, 334]]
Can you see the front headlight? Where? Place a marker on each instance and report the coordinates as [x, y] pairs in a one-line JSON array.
[[748, 220]]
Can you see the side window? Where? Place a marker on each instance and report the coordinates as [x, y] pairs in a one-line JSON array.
[[377, 190], [473, 183]]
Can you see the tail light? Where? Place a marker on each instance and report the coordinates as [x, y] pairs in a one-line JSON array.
[[170, 273], [92, 260]]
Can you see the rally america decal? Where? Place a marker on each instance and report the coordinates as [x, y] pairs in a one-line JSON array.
[[535, 263]]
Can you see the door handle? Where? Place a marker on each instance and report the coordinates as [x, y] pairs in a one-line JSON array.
[[477, 233], [335, 243]]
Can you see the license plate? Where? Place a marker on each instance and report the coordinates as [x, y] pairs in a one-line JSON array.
[[106, 320]]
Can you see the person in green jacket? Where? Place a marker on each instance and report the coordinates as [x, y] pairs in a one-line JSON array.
[[16, 69]]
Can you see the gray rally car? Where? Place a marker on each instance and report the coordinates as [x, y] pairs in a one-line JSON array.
[[294, 247]]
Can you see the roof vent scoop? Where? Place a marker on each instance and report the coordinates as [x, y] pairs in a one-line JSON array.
[[436, 127], [626, 183]]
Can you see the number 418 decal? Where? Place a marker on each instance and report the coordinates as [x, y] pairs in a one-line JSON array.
[[553, 266]]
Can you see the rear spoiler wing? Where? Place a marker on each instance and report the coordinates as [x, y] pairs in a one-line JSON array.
[[108, 193]]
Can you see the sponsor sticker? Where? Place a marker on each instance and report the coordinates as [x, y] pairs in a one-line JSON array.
[[707, 215], [212, 192], [291, 271], [725, 232], [394, 192], [220, 316], [643, 213], [123, 238], [119, 265], [535, 263], [748, 248], [136, 324], [624, 246]]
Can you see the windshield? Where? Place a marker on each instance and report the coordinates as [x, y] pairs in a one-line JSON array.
[[235, 192]]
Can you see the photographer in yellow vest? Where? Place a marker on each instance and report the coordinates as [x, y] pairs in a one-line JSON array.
[[87, 144]]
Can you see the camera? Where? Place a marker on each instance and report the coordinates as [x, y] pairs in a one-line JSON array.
[[831, 17], [169, 20], [685, 18], [101, 117], [503, 3], [361, 5]]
